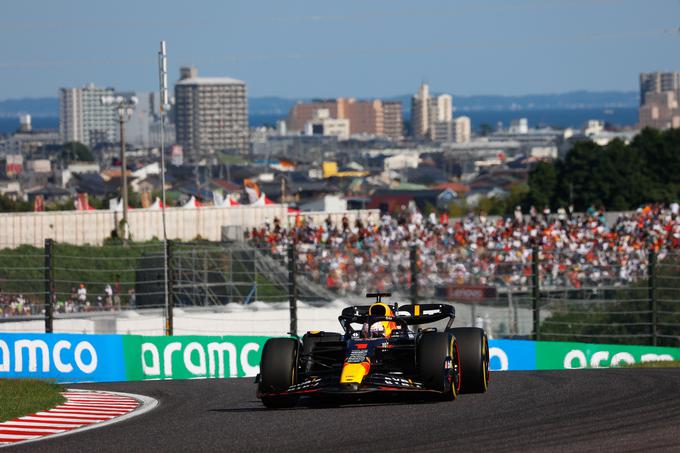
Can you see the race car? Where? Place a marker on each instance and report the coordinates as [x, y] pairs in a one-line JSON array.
[[384, 348]]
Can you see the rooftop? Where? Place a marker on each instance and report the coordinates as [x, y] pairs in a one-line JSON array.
[[210, 81]]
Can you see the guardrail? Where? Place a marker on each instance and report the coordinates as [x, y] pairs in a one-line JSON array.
[[107, 358]]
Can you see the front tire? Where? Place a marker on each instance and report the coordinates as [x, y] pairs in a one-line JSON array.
[[278, 371], [439, 363], [474, 359]]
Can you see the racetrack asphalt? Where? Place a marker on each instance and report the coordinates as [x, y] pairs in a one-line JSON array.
[[577, 410]]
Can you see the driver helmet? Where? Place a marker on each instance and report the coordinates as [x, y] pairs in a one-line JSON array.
[[381, 328]]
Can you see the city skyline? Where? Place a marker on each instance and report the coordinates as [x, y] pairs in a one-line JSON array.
[[299, 49]]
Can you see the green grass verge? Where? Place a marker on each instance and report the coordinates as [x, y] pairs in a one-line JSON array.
[[659, 364], [19, 397]]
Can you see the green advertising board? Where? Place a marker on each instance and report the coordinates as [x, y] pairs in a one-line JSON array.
[[558, 356], [191, 357]]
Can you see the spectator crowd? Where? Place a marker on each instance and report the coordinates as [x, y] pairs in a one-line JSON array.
[[78, 301], [574, 250], [15, 305], [585, 250]]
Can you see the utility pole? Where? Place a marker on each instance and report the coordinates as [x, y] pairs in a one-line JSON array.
[[124, 107]]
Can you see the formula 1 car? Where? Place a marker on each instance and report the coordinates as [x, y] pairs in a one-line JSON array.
[[383, 354]]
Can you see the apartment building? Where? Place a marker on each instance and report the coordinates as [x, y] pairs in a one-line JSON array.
[[211, 114]]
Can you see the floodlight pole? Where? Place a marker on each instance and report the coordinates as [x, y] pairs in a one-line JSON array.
[[163, 89], [124, 107]]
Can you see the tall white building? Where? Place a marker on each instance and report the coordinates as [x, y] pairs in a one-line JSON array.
[[211, 114], [441, 108], [429, 113], [462, 131], [420, 112], [83, 118], [71, 115]]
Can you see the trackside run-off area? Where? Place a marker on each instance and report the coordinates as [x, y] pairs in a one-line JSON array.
[[570, 410], [81, 409], [25, 396]]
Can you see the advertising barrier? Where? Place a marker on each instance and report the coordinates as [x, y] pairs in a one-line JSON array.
[[64, 357], [509, 355], [558, 356], [554, 355], [190, 357], [107, 358]]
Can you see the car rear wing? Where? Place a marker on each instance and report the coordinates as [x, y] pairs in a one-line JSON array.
[[405, 314]]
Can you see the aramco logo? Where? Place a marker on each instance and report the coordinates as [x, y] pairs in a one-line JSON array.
[[27, 354], [215, 359]]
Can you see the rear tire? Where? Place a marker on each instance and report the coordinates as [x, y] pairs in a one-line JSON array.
[[438, 363], [474, 359], [278, 371]]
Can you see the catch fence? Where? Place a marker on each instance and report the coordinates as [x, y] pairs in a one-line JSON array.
[[514, 293]]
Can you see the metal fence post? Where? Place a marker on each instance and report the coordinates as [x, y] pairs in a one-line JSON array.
[[536, 292], [49, 286], [292, 290], [414, 274], [170, 302], [651, 290]]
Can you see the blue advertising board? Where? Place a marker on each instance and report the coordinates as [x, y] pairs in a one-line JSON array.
[[64, 357], [512, 355]]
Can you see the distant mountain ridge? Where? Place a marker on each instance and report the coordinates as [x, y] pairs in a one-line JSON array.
[[275, 105]]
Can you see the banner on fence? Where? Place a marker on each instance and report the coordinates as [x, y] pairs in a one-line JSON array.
[[106, 358]]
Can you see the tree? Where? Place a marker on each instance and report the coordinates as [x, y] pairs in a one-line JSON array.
[[629, 184], [485, 129], [542, 184], [76, 152], [582, 177], [616, 176]]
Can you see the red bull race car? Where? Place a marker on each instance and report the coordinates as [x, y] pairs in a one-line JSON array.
[[384, 349]]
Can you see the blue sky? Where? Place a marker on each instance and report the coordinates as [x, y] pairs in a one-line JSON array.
[[362, 48]]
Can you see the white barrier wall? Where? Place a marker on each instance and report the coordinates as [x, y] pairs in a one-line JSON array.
[[92, 227], [258, 318]]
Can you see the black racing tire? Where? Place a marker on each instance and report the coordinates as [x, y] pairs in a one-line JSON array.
[[278, 371], [439, 363], [474, 359]]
